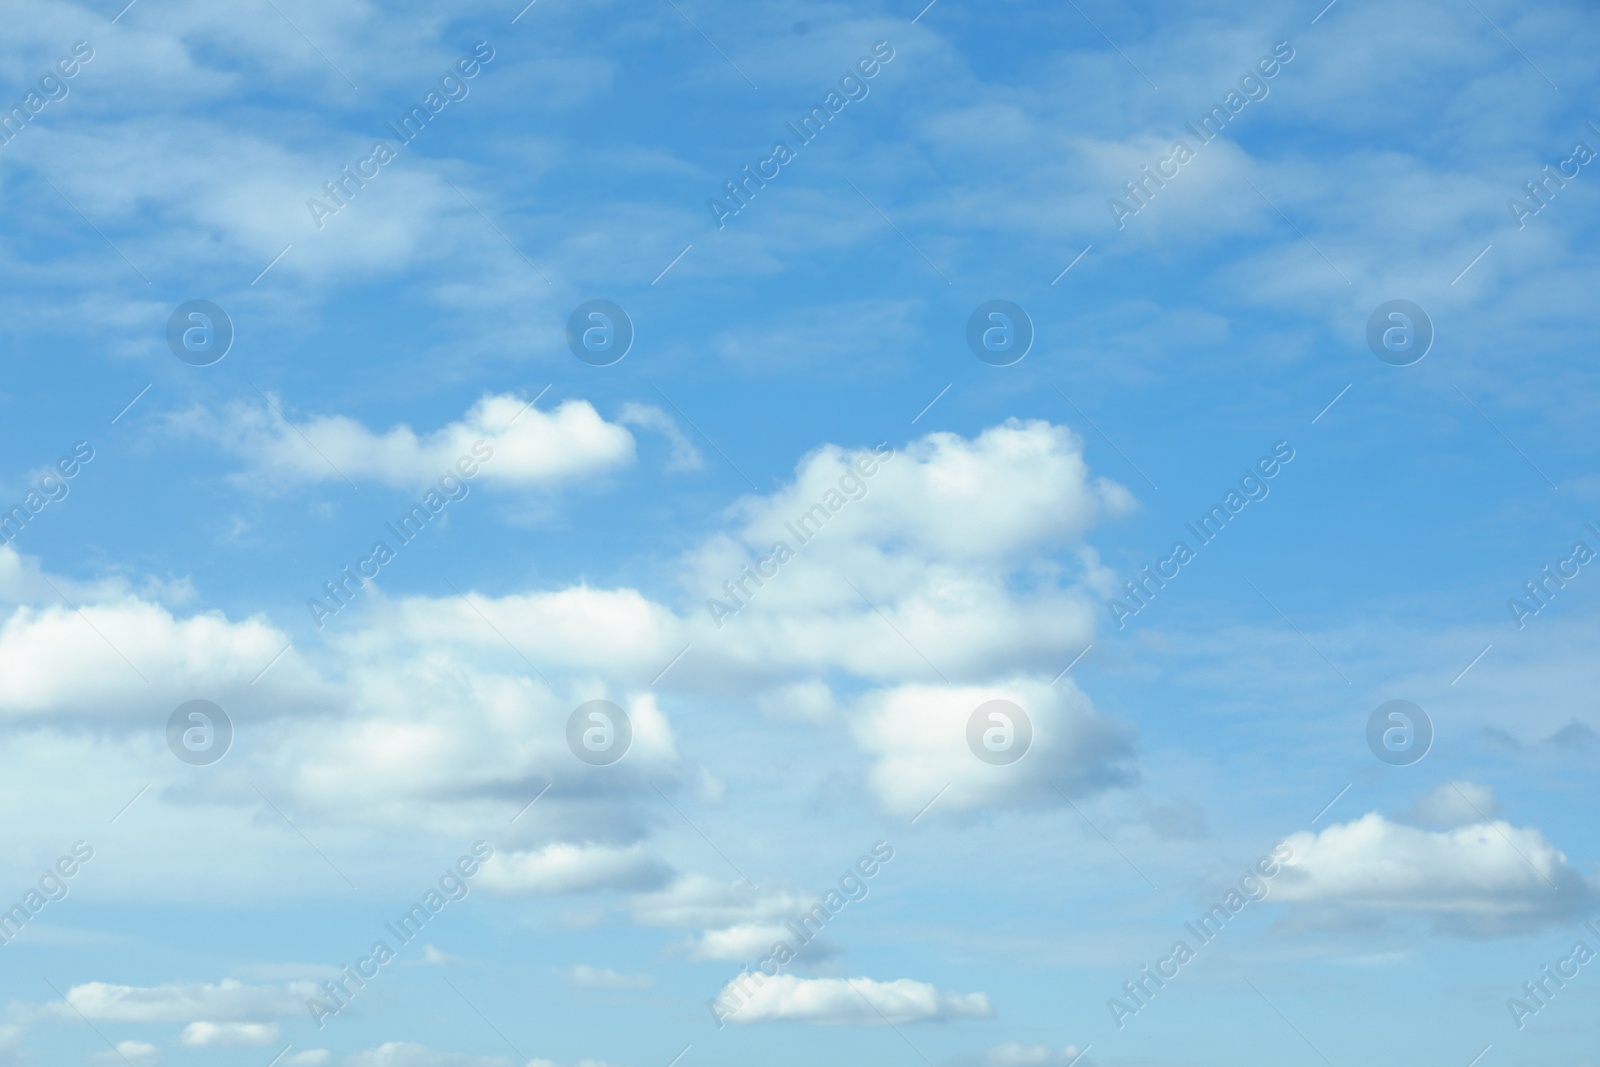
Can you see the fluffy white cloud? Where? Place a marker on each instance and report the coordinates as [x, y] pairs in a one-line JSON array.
[[918, 735], [555, 627], [500, 439], [570, 868], [205, 1034], [55, 660], [1013, 488], [859, 1001], [435, 714], [951, 559], [1484, 879]]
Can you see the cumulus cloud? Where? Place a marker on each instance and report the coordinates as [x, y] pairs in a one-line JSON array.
[[556, 625], [516, 444], [918, 737], [952, 558], [1012, 488], [58, 661], [857, 1001], [570, 868], [1483, 879], [205, 1034], [406, 717], [421, 712]]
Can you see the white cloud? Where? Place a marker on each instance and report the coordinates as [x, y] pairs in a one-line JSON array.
[[414, 712], [859, 1001], [1013, 487], [586, 977], [500, 439], [1484, 879], [54, 660], [205, 1034], [556, 626], [742, 941], [569, 868], [918, 736], [953, 557], [311, 1057], [228, 1000], [738, 922], [695, 900]]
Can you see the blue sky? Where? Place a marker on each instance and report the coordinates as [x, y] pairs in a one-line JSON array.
[[172, 525]]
